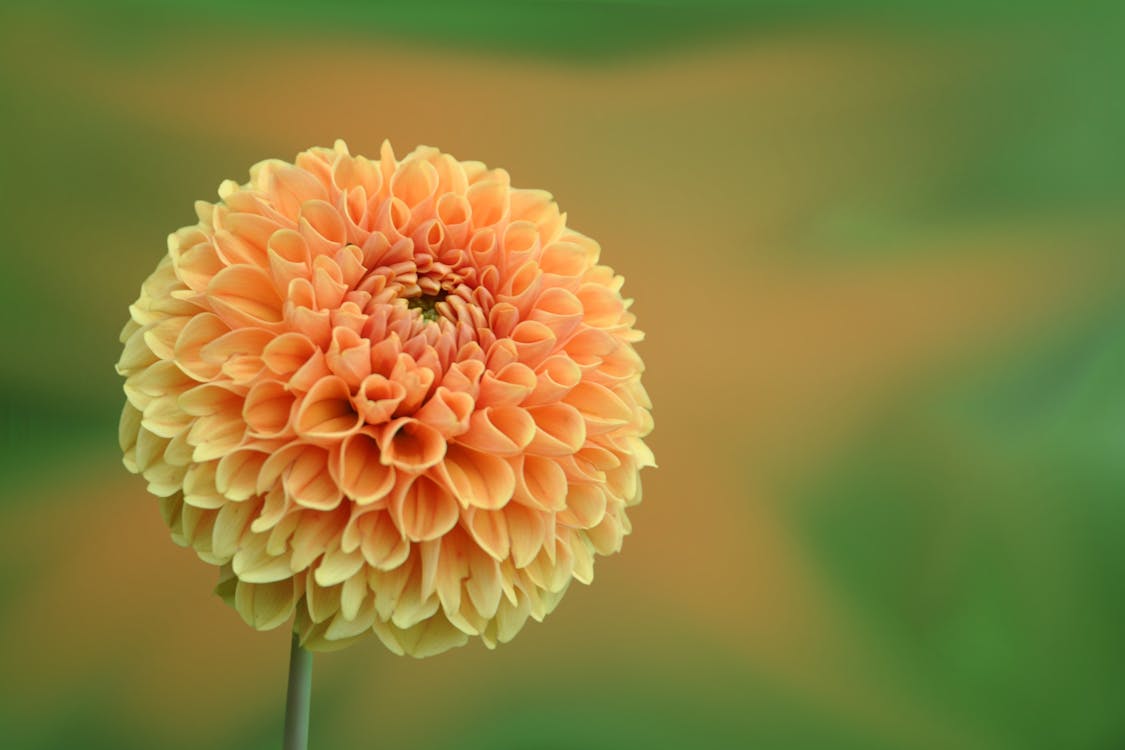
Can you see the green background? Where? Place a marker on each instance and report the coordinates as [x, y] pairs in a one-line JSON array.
[[879, 253]]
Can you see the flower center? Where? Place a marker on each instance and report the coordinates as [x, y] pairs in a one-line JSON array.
[[427, 303]]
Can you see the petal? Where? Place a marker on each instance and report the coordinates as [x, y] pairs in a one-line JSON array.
[[499, 430], [585, 506], [268, 408], [337, 566], [541, 483], [245, 296], [489, 528], [527, 531], [288, 352], [425, 510], [326, 411], [447, 411], [560, 430], [308, 481], [477, 479], [483, 586], [378, 398], [237, 473], [361, 475], [602, 409], [411, 445], [383, 546]]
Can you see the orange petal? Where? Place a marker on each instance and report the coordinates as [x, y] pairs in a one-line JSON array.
[[510, 385], [500, 430], [534, 341], [378, 398], [411, 445], [245, 296], [424, 510], [362, 476], [322, 227], [602, 409], [287, 352], [489, 202], [309, 482], [268, 408], [554, 378], [585, 506], [477, 479], [288, 257], [447, 411], [541, 483], [198, 332], [326, 411], [560, 430], [349, 356], [383, 546], [490, 530]]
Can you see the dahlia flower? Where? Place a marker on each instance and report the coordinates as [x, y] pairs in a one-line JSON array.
[[386, 396]]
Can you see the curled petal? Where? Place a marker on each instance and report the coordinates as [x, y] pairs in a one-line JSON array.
[[489, 528], [337, 566], [415, 380], [602, 409], [383, 546], [236, 475], [198, 332], [423, 509], [447, 411], [555, 377], [477, 479], [362, 476], [303, 470], [377, 398], [483, 587], [559, 430], [287, 353], [565, 259], [245, 296], [289, 257], [527, 531], [254, 565], [541, 483], [268, 408], [322, 227], [488, 200], [499, 430], [349, 356], [534, 341], [265, 606], [585, 506], [510, 385], [326, 411], [411, 445]]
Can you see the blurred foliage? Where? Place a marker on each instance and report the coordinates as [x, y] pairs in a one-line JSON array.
[[979, 532]]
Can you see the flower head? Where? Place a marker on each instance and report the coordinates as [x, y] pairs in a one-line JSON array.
[[386, 396]]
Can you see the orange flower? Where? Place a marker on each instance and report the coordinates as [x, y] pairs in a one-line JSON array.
[[386, 396]]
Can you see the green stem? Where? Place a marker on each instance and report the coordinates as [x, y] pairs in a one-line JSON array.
[[297, 700]]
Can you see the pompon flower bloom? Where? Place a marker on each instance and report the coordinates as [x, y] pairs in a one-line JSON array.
[[386, 396]]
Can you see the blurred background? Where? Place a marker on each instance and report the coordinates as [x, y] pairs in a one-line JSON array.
[[879, 257]]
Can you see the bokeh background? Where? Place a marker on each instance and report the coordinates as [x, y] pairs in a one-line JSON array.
[[880, 257]]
